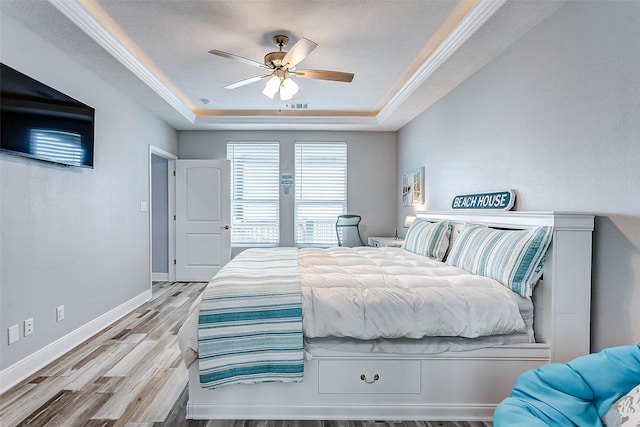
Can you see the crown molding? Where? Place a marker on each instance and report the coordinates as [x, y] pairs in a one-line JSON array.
[[87, 21], [286, 120], [465, 29], [86, 15]]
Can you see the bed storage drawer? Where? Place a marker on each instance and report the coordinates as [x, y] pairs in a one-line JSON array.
[[369, 376]]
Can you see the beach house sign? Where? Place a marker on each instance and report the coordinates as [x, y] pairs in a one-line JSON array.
[[499, 200]]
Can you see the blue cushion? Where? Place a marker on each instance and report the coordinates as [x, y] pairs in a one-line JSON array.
[[577, 393], [512, 257]]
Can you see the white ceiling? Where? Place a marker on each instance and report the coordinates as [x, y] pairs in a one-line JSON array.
[[405, 54]]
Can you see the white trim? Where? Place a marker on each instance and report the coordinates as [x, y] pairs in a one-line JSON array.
[[258, 121], [469, 25], [88, 22], [172, 223], [162, 153], [558, 220], [91, 19], [159, 277], [266, 411], [35, 361], [171, 161]]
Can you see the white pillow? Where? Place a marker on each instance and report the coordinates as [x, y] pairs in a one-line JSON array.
[[626, 411], [512, 257], [426, 238]]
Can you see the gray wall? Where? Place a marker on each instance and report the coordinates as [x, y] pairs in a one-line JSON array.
[[73, 236], [557, 118], [160, 214], [371, 170]]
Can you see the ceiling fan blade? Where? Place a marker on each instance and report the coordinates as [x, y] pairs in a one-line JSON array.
[[298, 52], [335, 76], [246, 81], [238, 58]]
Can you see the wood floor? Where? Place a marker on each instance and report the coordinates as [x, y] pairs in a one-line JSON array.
[[131, 374]]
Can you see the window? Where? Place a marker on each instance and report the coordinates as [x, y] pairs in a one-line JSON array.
[[255, 192], [321, 191]]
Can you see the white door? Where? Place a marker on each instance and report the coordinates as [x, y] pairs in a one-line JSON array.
[[203, 235]]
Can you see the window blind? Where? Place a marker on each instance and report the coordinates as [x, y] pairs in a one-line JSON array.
[[60, 146], [321, 191], [255, 193]]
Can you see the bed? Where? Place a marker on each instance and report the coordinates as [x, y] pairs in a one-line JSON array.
[[384, 376]]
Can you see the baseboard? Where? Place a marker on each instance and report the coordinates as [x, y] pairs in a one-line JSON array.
[[38, 360], [356, 411], [159, 277]]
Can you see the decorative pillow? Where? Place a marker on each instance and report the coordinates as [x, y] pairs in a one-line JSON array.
[[512, 257], [426, 238], [626, 411]]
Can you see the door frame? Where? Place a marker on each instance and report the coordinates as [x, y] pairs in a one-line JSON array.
[[171, 206]]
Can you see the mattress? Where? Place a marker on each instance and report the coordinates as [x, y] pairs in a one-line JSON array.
[[390, 299], [332, 346]]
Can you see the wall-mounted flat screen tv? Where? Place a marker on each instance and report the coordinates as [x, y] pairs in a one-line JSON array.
[[39, 122]]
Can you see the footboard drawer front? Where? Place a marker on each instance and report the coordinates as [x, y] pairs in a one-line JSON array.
[[369, 376]]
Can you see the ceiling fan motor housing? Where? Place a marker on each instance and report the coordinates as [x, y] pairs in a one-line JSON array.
[[280, 40], [274, 59]]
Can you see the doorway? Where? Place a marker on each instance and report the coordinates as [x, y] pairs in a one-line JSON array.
[[161, 214]]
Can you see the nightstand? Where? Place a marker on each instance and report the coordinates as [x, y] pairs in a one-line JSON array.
[[379, 242]]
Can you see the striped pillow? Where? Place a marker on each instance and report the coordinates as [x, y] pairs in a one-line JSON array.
[[512, 257], [426, 238]]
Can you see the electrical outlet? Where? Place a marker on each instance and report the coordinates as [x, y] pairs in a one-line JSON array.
[[28, 327], [14, 334], [60, 313]]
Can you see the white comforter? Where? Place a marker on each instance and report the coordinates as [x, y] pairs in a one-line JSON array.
[[370, 293]]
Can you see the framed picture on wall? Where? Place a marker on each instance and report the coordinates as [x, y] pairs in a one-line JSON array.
[[413, 187]]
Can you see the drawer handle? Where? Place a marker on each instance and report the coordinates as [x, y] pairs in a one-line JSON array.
[[363, 377]]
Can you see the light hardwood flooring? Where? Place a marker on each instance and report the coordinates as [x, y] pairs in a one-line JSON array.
[[131, 374]]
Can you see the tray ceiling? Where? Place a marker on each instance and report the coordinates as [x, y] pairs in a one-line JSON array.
[[405, 54]]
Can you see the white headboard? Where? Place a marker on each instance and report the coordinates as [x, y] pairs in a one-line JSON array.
[[562, 298]]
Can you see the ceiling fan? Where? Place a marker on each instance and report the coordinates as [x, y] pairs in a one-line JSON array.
[[282, 65]]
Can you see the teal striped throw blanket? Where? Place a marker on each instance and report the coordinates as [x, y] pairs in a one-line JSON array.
[[250, 321]]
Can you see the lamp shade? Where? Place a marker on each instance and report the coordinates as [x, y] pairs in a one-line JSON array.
[[288, 88], [272, 86], [408, 220]]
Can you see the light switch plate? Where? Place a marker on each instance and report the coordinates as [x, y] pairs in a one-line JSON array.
[[14, 334]]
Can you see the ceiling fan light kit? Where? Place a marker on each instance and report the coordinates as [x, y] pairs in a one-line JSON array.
[[282, 65], [272, 87], [288, 88], [279, 81]]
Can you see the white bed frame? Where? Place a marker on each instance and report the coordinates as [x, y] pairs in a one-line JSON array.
[[447, 386]]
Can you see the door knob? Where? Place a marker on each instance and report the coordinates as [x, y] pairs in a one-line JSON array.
[[226, 227]]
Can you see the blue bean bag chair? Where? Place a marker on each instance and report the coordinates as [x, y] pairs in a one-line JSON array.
[[577, 393]]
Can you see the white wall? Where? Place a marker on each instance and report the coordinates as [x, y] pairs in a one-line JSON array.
[[70, 236], [371, 170], [557, 118]]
